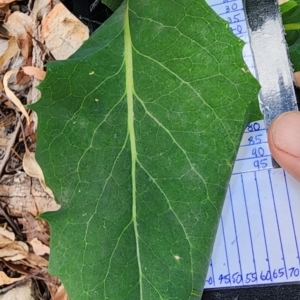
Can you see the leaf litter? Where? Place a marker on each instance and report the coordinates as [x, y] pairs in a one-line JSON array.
[[31, 34]]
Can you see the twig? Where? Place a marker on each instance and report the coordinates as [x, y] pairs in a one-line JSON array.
[[23, 133], [93, 5], [20, 282], [16, 154], [9, 220], [89, 20]]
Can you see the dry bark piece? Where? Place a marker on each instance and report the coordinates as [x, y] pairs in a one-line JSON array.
[[63, 32], [34, 71], [23, 194]]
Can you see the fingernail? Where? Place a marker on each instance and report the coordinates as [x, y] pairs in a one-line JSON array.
[[286, 133]]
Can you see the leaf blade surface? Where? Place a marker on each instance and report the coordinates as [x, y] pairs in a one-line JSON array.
[[137, 135]]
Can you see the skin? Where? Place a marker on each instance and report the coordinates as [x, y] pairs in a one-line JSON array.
[[284, 142]]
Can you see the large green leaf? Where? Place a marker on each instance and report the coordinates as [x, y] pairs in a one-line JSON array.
[[287, 6], [137, 135]]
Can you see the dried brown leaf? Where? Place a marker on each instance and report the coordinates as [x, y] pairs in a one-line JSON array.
[[4, 279], [11, 50], [36, 260], [61, 294], [40, 9], [33, 169], [52, 283], [11, 96], [38, 247], [4, 241], [34, 228], [34, 71], [23, 245], [13, 251], [5, 2], [21, 27], [16, 257], [6, 233], [18, 267], [3, 46], [5, 13], [6, 237]]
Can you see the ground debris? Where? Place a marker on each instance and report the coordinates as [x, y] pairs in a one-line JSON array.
[[63, 32], [22, 292], [23, 193], [32, 33]]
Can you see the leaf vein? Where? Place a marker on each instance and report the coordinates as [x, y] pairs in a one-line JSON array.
[[191, 87], [131, 131], [111, 256], [174, 213], [179, 146]]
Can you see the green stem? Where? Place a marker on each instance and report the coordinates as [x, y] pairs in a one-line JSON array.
[[292, 26]]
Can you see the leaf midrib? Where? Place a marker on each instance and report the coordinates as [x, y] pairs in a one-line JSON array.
[[131, 132]]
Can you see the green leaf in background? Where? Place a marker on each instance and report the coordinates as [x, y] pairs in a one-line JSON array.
[[112, 4], [295, 55], [291, 19], [137, 136], [287, 6]]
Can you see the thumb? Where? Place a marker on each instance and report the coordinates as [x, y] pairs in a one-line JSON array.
[[284, 142]]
